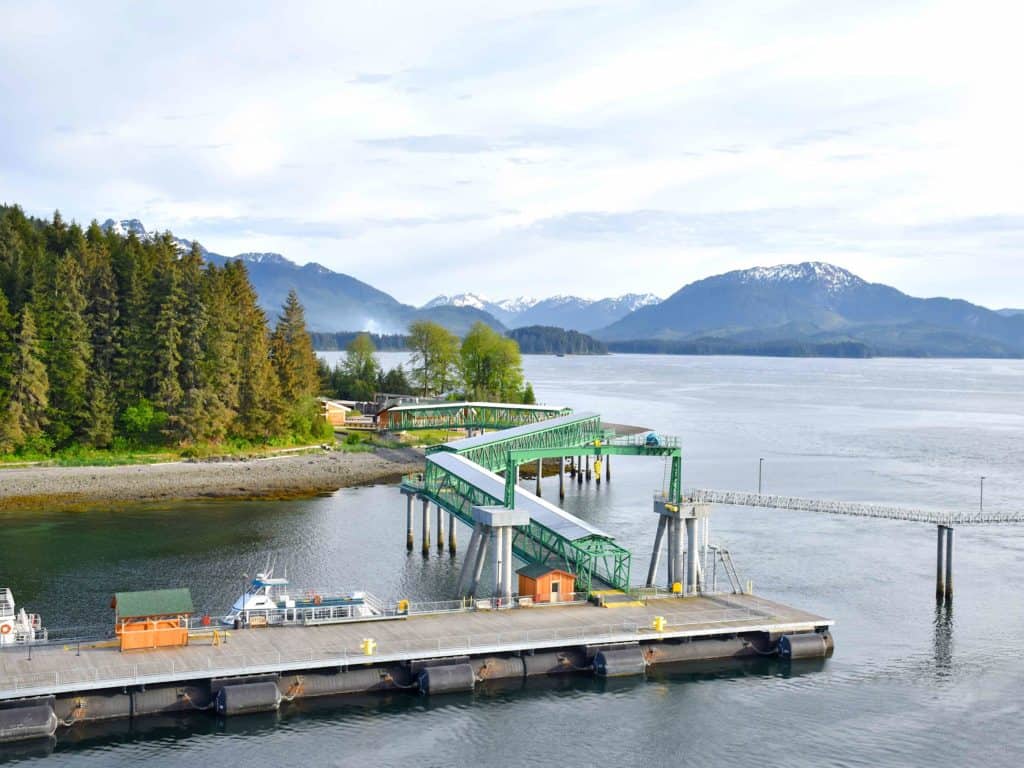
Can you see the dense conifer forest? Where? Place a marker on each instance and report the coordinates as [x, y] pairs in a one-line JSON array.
[[112, 342]]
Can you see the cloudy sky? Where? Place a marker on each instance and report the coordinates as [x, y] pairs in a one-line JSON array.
[[533, 148]]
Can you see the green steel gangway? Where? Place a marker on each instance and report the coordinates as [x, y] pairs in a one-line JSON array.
[[445, 415], [462, 474]]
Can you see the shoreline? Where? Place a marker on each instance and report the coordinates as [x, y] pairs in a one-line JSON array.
[[288, 476]]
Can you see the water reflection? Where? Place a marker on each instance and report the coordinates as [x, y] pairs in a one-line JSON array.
[[943, 636]]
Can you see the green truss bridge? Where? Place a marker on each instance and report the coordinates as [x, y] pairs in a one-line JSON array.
[[403, 418], [462, 474]]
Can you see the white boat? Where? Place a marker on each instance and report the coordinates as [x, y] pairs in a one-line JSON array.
[[16, 626], [268, 601]]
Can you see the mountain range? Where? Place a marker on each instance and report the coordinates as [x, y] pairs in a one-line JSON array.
[[333, 300], [805, 308], [820, 303], [569, 312]]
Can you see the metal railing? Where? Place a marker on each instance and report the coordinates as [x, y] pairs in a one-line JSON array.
[[855, 509]]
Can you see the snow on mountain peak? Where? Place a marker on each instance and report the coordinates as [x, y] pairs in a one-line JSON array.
[[124, 227], [832, 277], [263, 258], [518, 304], [458, 300]]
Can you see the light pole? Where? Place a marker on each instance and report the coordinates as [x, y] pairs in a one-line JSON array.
[[981, 495], [760, 471]]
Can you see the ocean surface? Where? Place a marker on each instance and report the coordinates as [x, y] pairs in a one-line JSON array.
[[910, 683]]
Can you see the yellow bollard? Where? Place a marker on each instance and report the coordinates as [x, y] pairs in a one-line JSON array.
[[369, 646], [658, 624], [677, 588], [403, 606]]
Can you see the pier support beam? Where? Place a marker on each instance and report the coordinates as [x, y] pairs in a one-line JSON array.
[[540, 474], [408, 522], [426, 527], [440, 529], [451, 535], [561, 477], [944, 562], [579, 470], [586, 459], [466, 584], [691, 556], [659, 536], [949, 562], [608, 468]]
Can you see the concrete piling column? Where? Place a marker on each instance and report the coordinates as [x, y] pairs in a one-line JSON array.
[[659, 536], [561, 477], [940, 562], [498, 543], [673, 548], [949, 562], [440, 528], [507, 588], [408, 522], [608, 468], [480, 556], [451, 534], [540, 473], [587, 460], [691, 556], [579, 470], [469, 564], [426, 527]]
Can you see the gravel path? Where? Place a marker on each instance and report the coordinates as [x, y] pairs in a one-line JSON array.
[[272, 476]]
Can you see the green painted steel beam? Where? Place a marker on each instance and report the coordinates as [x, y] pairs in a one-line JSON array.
[[467, 416], [589, 559]]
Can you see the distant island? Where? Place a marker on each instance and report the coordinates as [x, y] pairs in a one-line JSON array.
[[548, 340]]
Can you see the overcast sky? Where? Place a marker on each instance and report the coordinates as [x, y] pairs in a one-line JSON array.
[[591, 148]]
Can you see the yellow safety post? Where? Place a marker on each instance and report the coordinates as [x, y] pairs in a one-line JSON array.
[[403, 606], [677, 587], [658, 624], [369, 646]]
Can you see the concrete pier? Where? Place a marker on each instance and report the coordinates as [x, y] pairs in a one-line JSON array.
[[944, 562], [426, 528]]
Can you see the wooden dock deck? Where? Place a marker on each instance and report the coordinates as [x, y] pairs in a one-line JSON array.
[[57, 669]]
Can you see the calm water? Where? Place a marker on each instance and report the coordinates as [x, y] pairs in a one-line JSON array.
[[908, 685]]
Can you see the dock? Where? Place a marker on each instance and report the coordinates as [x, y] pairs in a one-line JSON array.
[[87, 681]]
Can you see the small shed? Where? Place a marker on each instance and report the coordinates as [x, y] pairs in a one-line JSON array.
[[152, 619], [546, 583]]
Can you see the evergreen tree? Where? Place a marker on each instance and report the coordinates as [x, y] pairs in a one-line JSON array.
[[68, 355], [292, 352], [8, 331], [165, 386], [260, 406], [29, 389]]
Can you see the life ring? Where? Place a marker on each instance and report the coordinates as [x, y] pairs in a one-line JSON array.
[[5, 629]]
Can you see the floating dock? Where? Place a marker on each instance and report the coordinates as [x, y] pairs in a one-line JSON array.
[[429, 653]]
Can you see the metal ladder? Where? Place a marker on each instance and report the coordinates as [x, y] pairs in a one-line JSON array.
[[722, 554]]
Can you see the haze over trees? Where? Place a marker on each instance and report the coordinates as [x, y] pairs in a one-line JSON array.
[[109, 341]]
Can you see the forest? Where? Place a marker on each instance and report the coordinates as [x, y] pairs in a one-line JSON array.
[[109, 342]]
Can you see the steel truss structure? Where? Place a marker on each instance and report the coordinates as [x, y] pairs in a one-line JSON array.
[[406, 418], [854, 509]]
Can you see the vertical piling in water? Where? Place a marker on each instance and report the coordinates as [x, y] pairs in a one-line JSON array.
[[561, 477], [451, 535], [540, 473], [691, 556], [408, 522], [587, 460], [426, 527], [608, 468], [579, 470], [498, 543], [940, 562], [949, 562], [440, 528]]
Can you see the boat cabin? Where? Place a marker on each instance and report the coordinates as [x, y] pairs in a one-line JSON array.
[[154, 619], [545, 583]]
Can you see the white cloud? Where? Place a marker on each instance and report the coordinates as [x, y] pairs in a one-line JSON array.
[[468, 146]]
